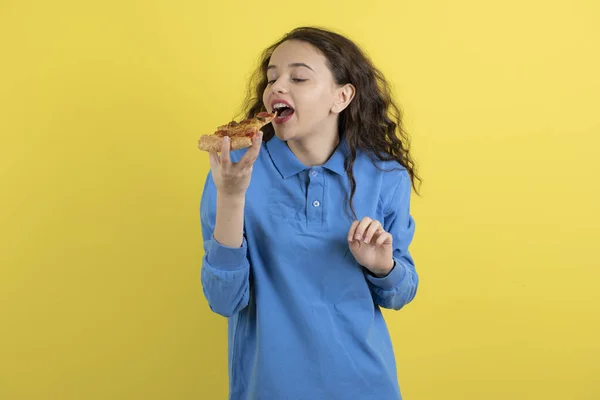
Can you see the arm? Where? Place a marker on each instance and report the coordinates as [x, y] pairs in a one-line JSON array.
[[399, 287], [225, 271], [225, 267]]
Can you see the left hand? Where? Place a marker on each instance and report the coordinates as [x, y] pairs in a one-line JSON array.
[[371, 246]]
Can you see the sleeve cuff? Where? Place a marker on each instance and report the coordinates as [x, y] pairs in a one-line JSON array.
[[226, 258], [391, 280]]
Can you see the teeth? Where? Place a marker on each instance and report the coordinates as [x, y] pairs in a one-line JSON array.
[[279, 106]]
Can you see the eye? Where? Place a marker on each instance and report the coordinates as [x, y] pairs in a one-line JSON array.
[[296, 80]]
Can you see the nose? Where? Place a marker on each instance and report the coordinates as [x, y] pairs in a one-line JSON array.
[[279, 87]]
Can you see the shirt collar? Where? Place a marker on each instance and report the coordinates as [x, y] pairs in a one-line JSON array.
[[288, 165]]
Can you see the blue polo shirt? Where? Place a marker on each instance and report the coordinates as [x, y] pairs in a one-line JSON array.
[[304, 318]]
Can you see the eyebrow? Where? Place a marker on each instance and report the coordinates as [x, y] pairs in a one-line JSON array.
[[292, 65]]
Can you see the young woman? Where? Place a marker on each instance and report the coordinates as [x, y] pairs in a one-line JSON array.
[[306, 233]]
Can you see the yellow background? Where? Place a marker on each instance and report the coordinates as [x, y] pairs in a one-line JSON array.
[[101, 104]]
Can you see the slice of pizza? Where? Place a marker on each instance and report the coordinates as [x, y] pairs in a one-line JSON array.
[[240, 134]]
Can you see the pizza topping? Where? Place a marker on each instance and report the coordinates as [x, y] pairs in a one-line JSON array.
[[263, 116], [240, 131]]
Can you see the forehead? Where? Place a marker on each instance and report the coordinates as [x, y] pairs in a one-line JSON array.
[[295, 51]]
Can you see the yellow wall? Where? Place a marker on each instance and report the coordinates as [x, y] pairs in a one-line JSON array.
[[101, 105]]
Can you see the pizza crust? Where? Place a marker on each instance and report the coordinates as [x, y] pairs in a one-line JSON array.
[[212, 143], [240, 134]]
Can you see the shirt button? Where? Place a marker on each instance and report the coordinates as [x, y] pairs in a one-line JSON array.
[[313, 173], [316, 203]]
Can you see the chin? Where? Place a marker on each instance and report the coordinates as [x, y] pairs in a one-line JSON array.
[[284, 134]]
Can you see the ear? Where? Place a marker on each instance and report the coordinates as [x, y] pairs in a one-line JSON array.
[[343, 96]]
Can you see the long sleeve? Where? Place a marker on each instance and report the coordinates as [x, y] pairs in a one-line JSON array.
[[399, 287], [225, 270]]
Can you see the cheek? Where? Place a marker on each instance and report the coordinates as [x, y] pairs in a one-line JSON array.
[[319, 102]]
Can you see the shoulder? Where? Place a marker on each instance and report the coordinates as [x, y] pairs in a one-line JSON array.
[[390, 172], [394, 178], [397, 186], [393, 172]]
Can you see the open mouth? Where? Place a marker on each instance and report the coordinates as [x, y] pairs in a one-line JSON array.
[[282, 110]]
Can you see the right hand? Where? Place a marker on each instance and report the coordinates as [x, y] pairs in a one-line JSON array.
[[233, 179]]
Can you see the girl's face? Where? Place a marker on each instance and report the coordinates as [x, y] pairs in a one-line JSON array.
[[301, 86]]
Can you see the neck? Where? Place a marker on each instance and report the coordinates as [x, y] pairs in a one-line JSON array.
[[316, 149]]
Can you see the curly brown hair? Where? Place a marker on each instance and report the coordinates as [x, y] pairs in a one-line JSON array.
[[372, 121]]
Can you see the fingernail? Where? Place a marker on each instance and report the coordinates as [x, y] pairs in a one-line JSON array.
[[366, 240], [358, 237]]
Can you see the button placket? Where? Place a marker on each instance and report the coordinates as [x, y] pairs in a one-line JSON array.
[[315, 196]]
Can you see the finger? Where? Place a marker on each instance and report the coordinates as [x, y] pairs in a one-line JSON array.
[[361, 228], [213, 159], [225, 158], [252, 154], [352, 230], [383, 238], [374, 227]]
